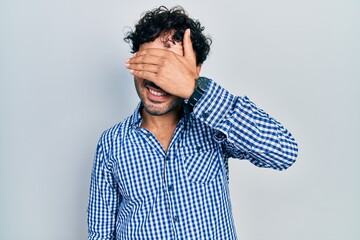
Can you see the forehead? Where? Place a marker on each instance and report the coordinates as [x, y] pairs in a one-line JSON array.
[[164, 41]]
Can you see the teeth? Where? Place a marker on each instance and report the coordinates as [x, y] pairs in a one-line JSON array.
[[157, 93]]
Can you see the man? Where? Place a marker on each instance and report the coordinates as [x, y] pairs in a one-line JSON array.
[[162, 172]]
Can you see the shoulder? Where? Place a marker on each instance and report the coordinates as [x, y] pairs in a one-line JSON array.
[[114, 135]]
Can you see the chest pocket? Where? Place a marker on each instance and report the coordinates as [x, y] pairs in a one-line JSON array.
[[201, 162]]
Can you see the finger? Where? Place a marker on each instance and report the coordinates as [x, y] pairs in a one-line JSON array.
[[145, 75], [143, 67], [146, 59], [152, 51], [189, 52]]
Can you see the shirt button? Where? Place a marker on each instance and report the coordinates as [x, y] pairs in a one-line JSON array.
[[205, 115], [176, 219], [167, 158], [197, 147], [171, 187]]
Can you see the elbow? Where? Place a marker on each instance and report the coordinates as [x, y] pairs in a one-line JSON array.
[[280, 159], [288, 157]]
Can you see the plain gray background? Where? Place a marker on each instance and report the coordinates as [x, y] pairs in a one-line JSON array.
[[63, 82]]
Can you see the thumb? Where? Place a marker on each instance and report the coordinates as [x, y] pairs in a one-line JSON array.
[[189, 52]]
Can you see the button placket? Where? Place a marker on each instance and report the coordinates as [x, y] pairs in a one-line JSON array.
[[170, 186], [170, 175]]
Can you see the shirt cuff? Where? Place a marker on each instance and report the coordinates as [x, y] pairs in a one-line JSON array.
[[214, 106]]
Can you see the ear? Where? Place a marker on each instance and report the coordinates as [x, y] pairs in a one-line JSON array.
[[198, 68]]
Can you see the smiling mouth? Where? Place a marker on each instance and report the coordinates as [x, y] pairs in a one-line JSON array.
[[157, 93], [154, 89]]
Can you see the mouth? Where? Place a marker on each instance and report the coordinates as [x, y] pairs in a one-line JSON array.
[[157, 93], [154, 89]]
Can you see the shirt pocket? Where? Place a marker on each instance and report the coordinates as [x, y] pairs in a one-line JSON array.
[[201, 162]]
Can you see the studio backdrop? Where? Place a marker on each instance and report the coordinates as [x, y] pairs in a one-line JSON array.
[[63, 82]]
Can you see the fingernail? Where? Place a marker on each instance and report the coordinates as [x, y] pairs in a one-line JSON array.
[[127, 65], [134, 55], [131, 71], [127, 60]]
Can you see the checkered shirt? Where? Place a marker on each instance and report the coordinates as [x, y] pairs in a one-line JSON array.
[[140, 191]]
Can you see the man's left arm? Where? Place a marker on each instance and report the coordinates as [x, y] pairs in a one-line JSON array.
[[245, 130]]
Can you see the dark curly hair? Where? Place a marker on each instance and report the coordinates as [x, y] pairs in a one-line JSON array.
[[162, 21]]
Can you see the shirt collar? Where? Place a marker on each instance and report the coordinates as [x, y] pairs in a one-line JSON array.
[[136, 117]]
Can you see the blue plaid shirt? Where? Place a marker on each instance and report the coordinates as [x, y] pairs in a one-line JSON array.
[[140, 191]]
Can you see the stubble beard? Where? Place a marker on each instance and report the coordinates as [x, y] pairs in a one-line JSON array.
[[160, 111]]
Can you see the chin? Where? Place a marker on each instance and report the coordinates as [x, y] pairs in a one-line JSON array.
[[161, 110], [156, 111]]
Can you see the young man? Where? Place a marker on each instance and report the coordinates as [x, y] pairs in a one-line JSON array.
[[162, 172]]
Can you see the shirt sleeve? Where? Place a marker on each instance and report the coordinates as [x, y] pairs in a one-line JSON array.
[[104, 196], [245, 131]]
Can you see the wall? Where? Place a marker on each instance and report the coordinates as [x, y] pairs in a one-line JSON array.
[[63, 82]]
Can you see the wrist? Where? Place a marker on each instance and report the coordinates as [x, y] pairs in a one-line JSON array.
[[191, 89], [201, 84]]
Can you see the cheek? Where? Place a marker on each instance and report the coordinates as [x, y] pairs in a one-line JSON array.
[[137, 85], [139, 82]]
